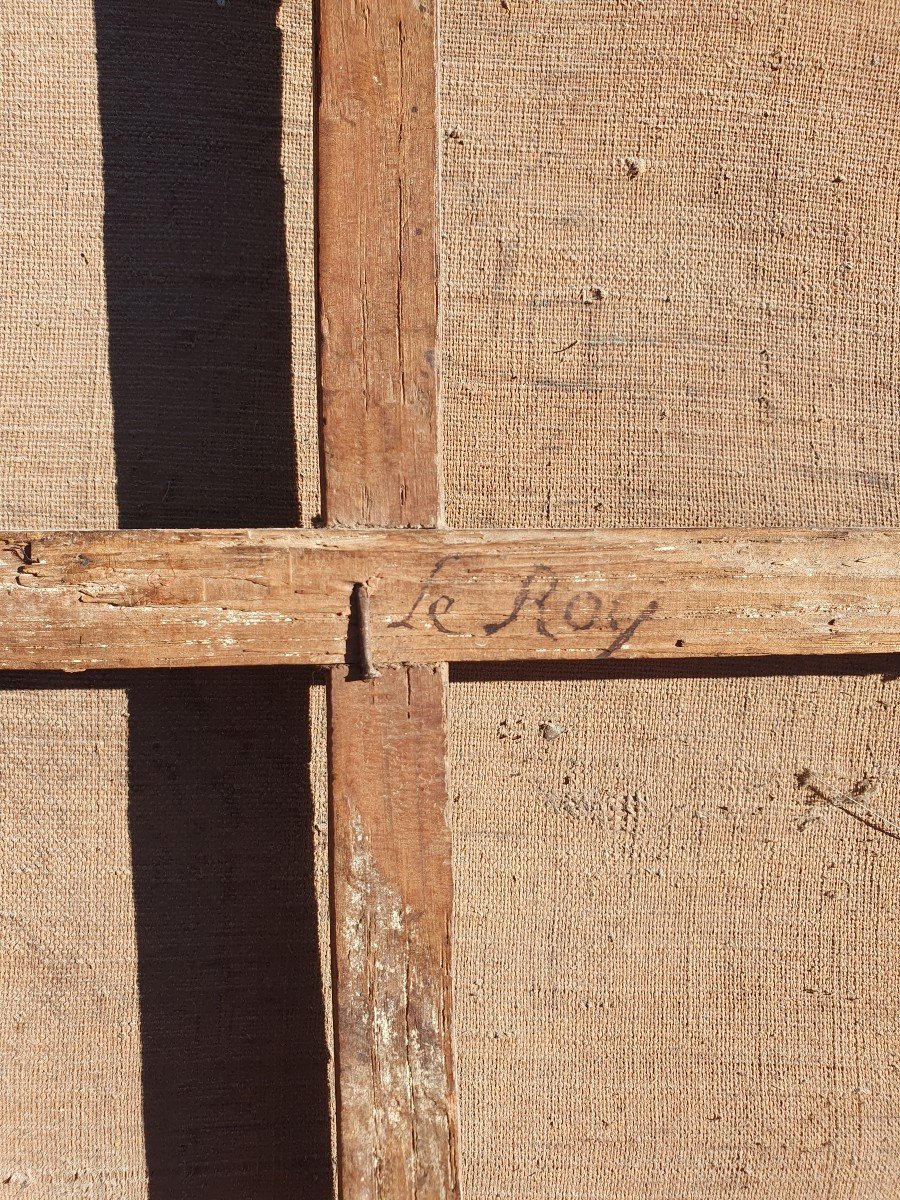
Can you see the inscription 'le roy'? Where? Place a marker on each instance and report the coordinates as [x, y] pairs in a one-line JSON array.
[[539, 599]]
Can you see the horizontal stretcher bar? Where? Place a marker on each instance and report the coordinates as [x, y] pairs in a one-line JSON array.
[[171, 598]]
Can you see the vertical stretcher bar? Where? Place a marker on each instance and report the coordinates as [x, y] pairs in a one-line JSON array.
[[391, 880]]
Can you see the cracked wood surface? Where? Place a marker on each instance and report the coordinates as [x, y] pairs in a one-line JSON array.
[[136, 598], [391, 882], [378, 230], [392, 892]]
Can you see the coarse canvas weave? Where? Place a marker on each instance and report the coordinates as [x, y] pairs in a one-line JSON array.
[[669, 294], [671, 281]]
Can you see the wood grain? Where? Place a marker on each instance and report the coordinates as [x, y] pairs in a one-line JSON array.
[[140, 598], [378, 233], [392, 894], [392, 890]]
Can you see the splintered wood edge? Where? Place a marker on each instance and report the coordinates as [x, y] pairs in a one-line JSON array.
[[79, 601]]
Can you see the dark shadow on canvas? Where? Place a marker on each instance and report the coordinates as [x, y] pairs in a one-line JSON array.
[[767, 666], [232, 1017]]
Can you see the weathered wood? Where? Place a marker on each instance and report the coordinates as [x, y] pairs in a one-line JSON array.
[[392, 893], [392, 889], [378, 233], [167, 598]]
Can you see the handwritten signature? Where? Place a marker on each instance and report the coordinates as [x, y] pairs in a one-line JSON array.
[[537, 599]]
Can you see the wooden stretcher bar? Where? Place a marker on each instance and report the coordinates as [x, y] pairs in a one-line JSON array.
[[79, 601], [391, 882]]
